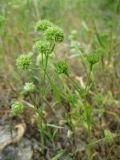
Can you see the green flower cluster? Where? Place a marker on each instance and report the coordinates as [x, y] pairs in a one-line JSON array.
[[54, 34], [24, 62], [43, 47], [17, 107], [93, 58], [43, 25], [51, 32], [29, 87], [51, 35], [61, 67]]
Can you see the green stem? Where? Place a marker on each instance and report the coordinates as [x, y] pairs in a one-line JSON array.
[[89, 141], [40, 111], [89, 148], [40, 126], [44, 75], [75, 84]]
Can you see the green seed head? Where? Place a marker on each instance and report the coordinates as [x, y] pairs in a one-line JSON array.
[[29, 87], [61, 67], [93, 58], [43, 47], [24, 62], [43, 25], [17, 107], [54, 34], [108, 136]]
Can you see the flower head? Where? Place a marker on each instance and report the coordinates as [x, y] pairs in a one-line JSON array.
[[54, 34], [17, 107], [29, 87], [93, 58], [43, 25], [61, 67], [24, 62], [43, 46]]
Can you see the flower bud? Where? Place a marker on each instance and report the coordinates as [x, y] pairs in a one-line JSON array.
[[93, 58], [29, 87], [54, 34], [42, 25], [24, 62], [43, 46], [17, 107], [61, 67]]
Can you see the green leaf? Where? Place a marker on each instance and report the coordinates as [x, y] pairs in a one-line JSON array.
[[61, 152]]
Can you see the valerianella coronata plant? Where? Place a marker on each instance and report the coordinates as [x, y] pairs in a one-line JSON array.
[[54, 34], [17, 107], [93, 58], [24, 62], [29, 87], [43, 25], [43, 47], [61, 67]]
